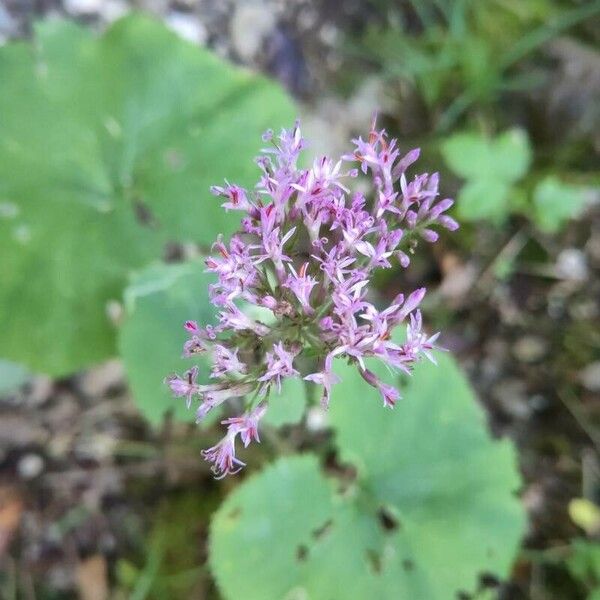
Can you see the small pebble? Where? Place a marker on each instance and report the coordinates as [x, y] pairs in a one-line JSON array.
[[250, 24], [533, 498], [158, 7], [98, 381], [571, 265], [512, 398], [316, 419], [59, 445], [328, 34], [187, 27], [8, 26], [592, 246], [584, 309], [490, 369], [30, 466], [590, 377], [63, 413], [530, 349], [40, 390], [539, 402], [458, 281], [83, 7], [113, 9], [371, 92], [20, 431], [96, 447]]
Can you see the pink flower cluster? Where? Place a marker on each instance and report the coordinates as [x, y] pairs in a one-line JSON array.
[[292, 285]]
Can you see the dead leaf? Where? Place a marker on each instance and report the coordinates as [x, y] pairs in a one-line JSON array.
[[11, 509], [92, 578]]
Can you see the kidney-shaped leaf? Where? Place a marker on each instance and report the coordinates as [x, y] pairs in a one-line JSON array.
[[158, 301], [433, 506], [286, 408], [262, 532], [107, 149], [504, 158]]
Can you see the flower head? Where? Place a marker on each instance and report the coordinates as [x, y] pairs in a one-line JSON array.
[[293, 287]]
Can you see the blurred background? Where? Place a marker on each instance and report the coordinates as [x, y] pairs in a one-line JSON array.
[[99, 499]]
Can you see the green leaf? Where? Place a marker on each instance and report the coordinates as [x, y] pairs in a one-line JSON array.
[[584, 562], [511, 155], [259, 532], [594, 594], [465, 154], [445, 487], [484, 199], [478, 67], [288, 407], [585, 514], [107, 149], [555, 203], [434, 462], [504, 159], [158, 302], [490, 167]]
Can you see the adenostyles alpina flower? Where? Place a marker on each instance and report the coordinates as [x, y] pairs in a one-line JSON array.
[[293, 284]]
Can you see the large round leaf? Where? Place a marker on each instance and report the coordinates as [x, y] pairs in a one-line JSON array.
[[433, 506], [260, 534], [107, 149], [158, 301], [286, 408]]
